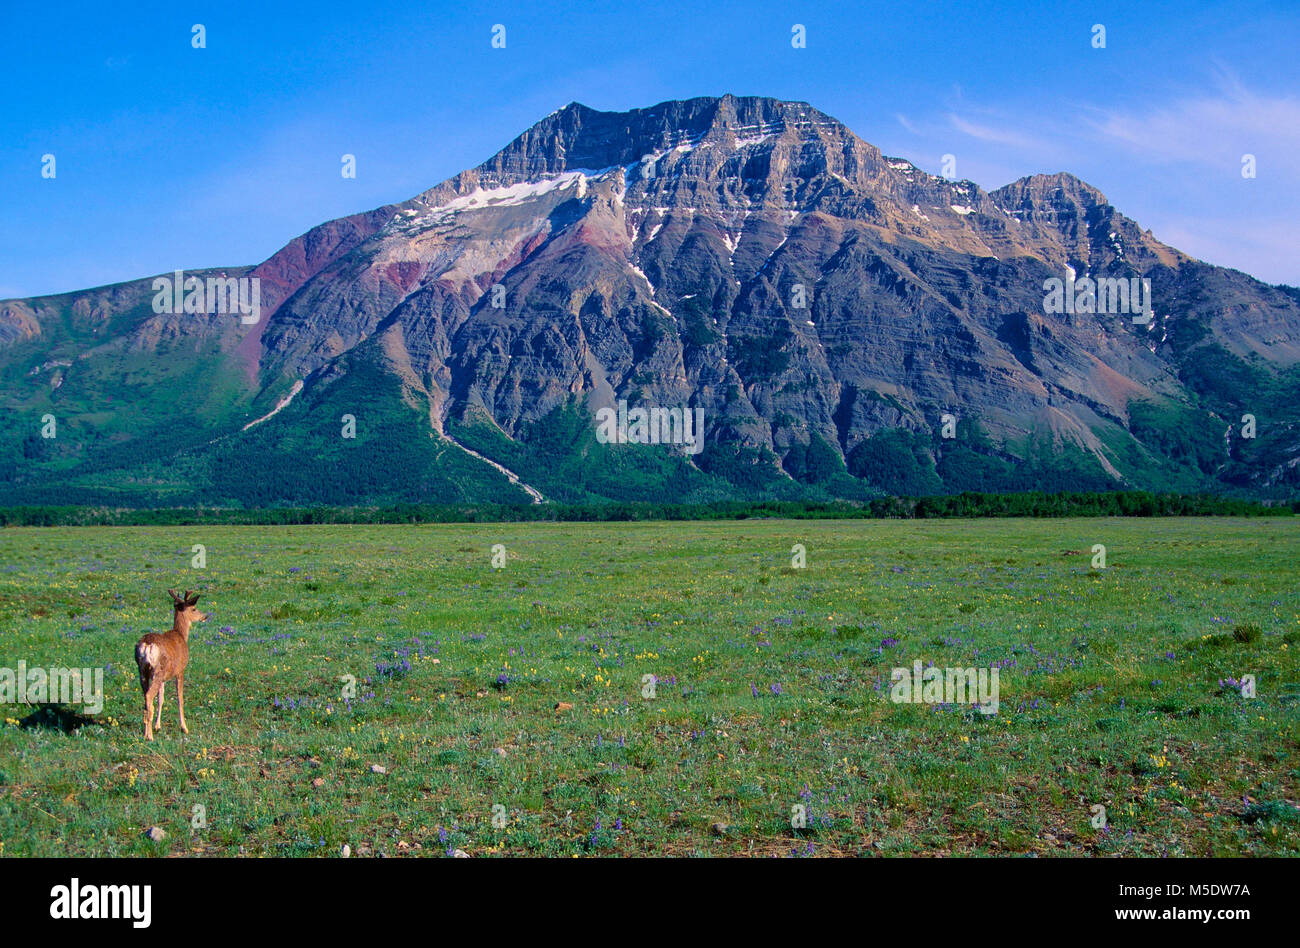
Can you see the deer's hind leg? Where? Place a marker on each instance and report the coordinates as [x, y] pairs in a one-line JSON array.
[[162, 692], [148, 711], [180, 701]]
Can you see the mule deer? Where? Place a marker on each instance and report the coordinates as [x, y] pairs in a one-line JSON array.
[[163, 656]]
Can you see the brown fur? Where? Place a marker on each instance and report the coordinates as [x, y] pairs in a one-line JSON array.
[[163, 656]]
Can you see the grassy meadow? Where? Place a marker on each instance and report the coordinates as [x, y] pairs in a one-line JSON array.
[[504, 711]]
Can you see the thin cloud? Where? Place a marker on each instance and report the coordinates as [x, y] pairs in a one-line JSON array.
[[996, 136], [1211, 131]]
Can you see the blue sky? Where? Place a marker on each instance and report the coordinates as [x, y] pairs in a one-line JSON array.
[[173, 157]]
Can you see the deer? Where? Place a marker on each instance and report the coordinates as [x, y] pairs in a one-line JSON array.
[[162, 656]]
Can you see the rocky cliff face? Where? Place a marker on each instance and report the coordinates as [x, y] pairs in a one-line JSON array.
[[754, 259]]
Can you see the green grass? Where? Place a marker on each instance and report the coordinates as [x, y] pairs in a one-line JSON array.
[[1093, 708]]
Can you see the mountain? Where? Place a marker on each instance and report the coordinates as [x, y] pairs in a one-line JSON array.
[[845, 323]]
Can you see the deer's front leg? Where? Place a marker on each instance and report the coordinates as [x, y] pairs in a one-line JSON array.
[[180, 700]]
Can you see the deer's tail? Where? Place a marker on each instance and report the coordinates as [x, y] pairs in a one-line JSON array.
[[146, 658]]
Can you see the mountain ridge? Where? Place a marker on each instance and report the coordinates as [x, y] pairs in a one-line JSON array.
[[825, 305]]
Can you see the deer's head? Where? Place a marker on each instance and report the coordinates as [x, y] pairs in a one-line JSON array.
[[184, 606]]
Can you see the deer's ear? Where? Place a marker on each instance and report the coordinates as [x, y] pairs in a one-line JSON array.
[[191, 600], [175, 598]]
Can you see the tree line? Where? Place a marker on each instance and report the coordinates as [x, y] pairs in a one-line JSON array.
[[965, 505]]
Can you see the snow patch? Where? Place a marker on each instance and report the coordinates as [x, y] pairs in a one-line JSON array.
[[510, 196], [639, 272]]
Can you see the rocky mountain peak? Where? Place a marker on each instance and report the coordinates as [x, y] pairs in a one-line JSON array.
[[743, 256], [1056, 190], [577, 137]]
